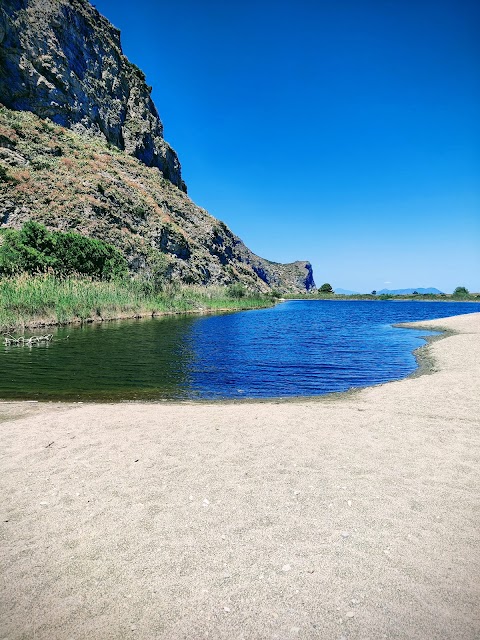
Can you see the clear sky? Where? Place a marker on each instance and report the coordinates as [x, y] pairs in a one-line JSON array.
[[344, 132]]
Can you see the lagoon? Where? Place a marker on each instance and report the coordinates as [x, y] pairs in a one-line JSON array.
[[297, 348]]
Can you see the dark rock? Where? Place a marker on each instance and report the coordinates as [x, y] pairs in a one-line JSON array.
[[12, 158]]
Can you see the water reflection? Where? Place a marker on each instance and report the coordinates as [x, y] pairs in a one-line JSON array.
[[125, 360], [296, 348]]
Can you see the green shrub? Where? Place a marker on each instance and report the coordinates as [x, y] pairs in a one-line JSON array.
[[34, 249], [460, 292], [326, 288], [275, 293], [5, 176], [236, 291]]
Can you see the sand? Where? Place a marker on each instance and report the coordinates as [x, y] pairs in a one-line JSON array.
[[354, 516]]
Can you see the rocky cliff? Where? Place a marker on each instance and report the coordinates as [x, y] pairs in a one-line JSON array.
[[89, 159], [62, 60]]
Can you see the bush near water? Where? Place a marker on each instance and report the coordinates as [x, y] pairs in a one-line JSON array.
[[49, 277], [34, 249]]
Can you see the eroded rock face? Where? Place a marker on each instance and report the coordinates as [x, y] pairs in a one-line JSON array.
[[62, 60], [70, 182]]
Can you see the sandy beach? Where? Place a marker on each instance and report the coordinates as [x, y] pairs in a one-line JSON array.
[[352, 517]]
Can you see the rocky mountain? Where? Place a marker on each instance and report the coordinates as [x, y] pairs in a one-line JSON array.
[[62, 60], [71, 182], [81, 147]]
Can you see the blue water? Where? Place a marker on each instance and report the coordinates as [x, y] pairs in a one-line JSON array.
[[298, 348]]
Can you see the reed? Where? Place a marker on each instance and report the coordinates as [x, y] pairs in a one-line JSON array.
[[27, 300]]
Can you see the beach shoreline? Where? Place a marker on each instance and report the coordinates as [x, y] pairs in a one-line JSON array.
[[423, 356], [353, 516]]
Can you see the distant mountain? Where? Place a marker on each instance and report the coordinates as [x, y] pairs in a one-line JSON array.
[[346, 292], [407, 292]]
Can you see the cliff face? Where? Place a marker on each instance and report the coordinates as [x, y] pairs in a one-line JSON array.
[[70, 182], [81, 143], [62, 60]]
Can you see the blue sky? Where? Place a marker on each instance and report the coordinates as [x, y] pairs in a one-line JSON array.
[[345, 132]]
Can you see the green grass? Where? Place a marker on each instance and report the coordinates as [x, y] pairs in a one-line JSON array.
[[26, 300]]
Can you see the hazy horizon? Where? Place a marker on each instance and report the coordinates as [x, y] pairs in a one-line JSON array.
[[342, 133]]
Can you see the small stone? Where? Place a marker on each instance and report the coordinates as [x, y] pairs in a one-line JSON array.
[[345, 534], [350, 615], [190, 497], [44, 504], [226, 609], [206, 502], [349, 503], [286, 567], [133, 627]]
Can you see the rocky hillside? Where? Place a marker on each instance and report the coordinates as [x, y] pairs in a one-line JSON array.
[[71, 182], [93, 158], [62, 60]]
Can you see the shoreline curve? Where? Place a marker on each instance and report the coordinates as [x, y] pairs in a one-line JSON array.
[[356, 517]]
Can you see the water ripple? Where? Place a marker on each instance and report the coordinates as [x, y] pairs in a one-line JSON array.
[[294, 349]]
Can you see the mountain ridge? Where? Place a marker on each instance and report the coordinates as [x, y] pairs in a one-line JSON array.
[[68, 182], [82, 148], [63, 60], [406, 292]]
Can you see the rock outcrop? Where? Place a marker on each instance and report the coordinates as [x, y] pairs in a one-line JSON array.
[[69, 182], [81, 143], [62, 60]]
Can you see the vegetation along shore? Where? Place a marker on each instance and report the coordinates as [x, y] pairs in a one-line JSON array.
[[49, 278], [34, 301], [459, 295], [52, 277]]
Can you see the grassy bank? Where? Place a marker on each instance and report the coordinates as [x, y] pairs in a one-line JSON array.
[[47, 300]]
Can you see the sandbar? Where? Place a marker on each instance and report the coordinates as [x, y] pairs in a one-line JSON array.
[[346, 518]]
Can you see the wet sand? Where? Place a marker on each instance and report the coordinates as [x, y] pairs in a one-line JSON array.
[[349, 517]]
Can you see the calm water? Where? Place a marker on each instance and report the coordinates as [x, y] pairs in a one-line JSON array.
[[296, 348]]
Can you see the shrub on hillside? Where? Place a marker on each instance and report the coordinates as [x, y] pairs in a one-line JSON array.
[[34, 249], [236, 290], [326, 288]]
